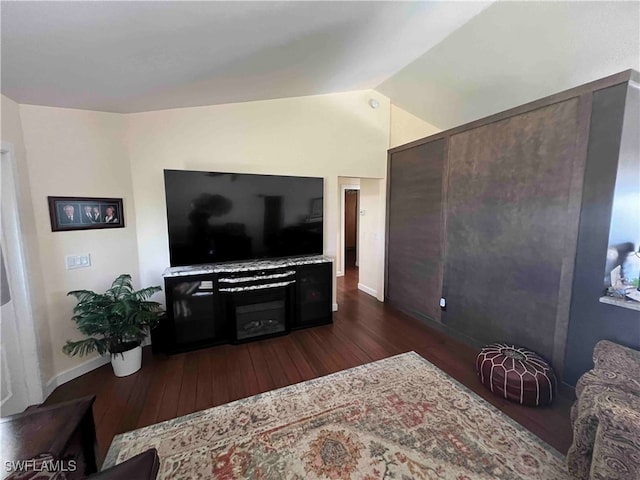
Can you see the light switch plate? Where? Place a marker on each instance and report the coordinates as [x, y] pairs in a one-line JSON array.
[[77, 261]]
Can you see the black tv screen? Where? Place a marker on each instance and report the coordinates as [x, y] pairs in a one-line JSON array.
[[221, 217]]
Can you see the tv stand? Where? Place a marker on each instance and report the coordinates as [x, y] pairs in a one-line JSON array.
[[243, 301]]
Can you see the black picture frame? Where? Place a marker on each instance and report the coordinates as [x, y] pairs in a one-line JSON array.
[[85, 213]]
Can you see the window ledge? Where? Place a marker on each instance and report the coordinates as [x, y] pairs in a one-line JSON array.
[[620, 302]]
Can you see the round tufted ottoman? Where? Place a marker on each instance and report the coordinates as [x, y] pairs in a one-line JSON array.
[[516, 374]]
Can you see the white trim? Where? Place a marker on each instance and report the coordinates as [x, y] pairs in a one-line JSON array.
[[19, 281], [343, 189], [82, 369], [335, 307], [75, 372], [371, 291]]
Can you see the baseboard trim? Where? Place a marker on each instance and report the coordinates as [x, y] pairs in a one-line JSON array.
[[74, 372], [335, 307], [339, 274], [79, 370], [369, 290], [442, 327]]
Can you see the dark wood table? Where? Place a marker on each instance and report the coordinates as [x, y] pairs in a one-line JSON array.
[[64, 430]]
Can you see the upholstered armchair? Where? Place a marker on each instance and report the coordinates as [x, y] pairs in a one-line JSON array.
[[606, 417]]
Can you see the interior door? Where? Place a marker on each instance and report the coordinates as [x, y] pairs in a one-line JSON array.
[[12, 377], [20, 384]]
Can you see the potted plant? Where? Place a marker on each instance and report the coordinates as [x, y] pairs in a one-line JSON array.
[[116, 321]]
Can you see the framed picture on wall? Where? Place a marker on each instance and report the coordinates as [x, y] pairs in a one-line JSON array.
[[85, 213]]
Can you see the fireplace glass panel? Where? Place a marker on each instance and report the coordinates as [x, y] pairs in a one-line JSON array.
[[258, 319]]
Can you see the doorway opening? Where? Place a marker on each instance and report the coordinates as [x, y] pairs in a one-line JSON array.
[[349, 241], [351, 230], [361, 227]]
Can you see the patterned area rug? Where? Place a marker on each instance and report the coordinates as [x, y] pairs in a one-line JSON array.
[[399, 418]]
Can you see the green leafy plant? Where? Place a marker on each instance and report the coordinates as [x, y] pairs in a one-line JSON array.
[[115, 321]]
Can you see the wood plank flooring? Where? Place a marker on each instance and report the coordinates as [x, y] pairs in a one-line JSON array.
[[364, 330]]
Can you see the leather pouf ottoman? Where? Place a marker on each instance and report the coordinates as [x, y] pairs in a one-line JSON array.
[[517, 374]]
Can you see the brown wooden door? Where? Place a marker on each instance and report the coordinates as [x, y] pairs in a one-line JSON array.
[[350, 219], [414, 252], [509, 221]]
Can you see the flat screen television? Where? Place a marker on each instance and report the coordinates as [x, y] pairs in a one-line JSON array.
[[220, 217]]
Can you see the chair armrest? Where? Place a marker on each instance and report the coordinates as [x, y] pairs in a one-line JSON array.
[[606, 440], [616, 452], [616, 358], [606, 380]]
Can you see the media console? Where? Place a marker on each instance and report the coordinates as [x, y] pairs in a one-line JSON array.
[[238, 302]]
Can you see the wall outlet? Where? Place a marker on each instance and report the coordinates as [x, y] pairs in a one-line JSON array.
[[77, 261], [443, 302]]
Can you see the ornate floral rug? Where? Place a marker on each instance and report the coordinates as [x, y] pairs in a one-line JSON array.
[[399, 418]]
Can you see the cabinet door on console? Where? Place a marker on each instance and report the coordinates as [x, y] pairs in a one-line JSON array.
[[193, 317], [414, 242], [314, 295]]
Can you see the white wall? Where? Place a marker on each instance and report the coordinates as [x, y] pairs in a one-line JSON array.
[[326, 136], [77, 153], [372, 236], [405, 127]]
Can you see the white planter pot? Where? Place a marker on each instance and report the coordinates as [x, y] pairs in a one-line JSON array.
[[126, 363]]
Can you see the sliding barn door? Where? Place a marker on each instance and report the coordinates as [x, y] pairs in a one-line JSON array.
[[414, 250], [511, 225]]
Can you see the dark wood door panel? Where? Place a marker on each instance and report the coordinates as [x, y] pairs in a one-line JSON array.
[[507, 219], [414, 248]]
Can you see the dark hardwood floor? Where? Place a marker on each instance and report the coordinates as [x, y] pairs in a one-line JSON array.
[[364, 330]]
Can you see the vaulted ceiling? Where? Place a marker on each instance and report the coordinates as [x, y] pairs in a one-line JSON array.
[[446, 62], [139, 56], [516, 52]]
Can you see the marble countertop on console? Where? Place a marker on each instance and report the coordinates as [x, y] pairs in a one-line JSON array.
[[247, 266]]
